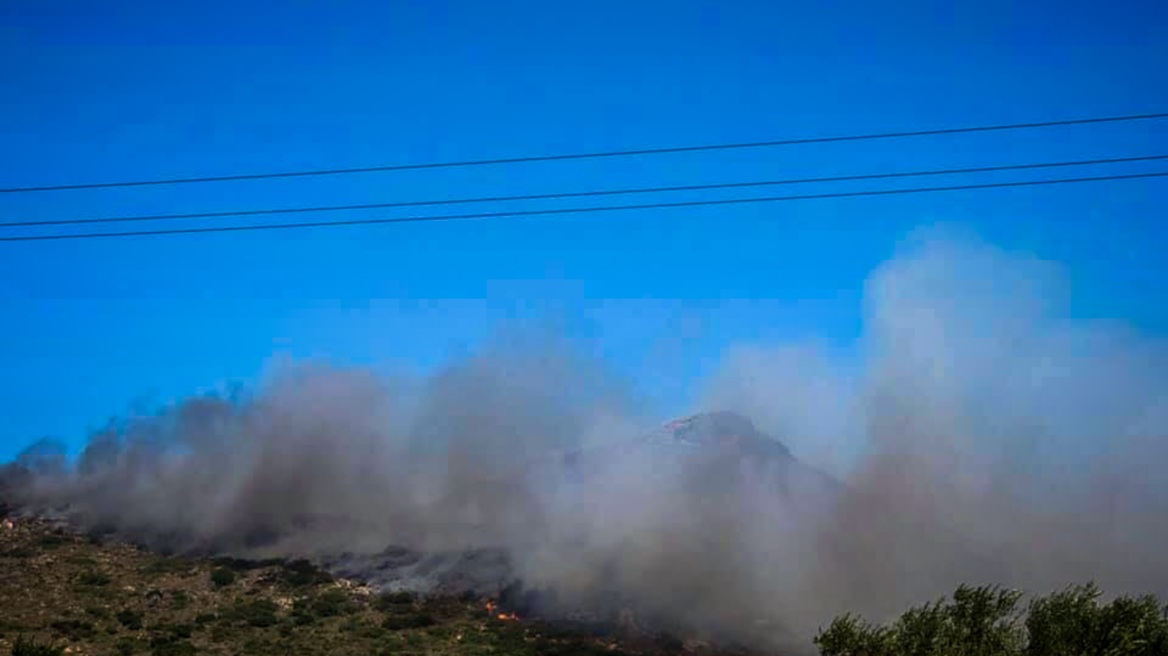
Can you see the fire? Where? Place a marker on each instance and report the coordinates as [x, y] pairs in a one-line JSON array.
[[493, 608]]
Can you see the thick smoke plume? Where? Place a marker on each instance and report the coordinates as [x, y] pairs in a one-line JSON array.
[[981, 435]]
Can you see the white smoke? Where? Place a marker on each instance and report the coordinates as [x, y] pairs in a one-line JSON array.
[[984, 436]]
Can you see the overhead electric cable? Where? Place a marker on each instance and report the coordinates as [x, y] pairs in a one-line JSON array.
[[576, 210], [580, 194], [591, 155]]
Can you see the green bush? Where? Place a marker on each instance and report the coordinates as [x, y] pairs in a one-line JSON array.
[[986, 621], [302, 612], [301, 573], [131, 619], [74, 629], [403, 622], [81, 561], [129, 646], [175, 631], [849, 635], [24, 647], [170, 646], [52, 540], [167, 565], [93, 579], [222, 577], [245, 565], [391, 601], [332, 603], [1071, 622], [260, 613]]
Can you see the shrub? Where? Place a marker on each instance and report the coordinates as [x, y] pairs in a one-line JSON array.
[[128, 646], [168, 645], [74, 629], [980, 621], [581, 648], [332, 603], [403, 622], [166, 565], [93, 579], [10, 626], [394, 600], [174, 631], [131, 619], [301, 616], [1064, 622], [1071, 622], [24, 647], [301, 573], [52, 540], [985, 622], [260, 613], [222, 577], [221, 633], [849, 635], [81, 561], [258, 646], [245, 565]]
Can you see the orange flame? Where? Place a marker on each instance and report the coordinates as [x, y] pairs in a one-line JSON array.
[[493, 608]]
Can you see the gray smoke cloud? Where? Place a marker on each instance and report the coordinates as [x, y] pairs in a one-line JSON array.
[[982, 435], [989, 436]]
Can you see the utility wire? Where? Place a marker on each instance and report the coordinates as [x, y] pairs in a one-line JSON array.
[[593, 155], [579, 194], [578, 210]]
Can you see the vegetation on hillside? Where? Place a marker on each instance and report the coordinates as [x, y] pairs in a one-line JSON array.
[[62, 593], [991, 621]]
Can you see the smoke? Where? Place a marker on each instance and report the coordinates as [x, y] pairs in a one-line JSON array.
[[981, 434], [990, 437]]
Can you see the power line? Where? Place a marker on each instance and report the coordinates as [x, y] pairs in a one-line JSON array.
[[581, 194], [579, 210], [592, 155]]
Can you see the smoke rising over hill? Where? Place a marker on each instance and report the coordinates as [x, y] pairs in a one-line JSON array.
[[983, 436]]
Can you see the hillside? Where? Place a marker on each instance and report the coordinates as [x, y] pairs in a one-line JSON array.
[[706, 454], [89, 597]]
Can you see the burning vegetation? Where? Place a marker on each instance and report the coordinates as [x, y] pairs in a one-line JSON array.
[[62, 592], [493, 609]]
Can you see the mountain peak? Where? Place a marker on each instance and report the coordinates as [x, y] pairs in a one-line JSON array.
[[723, 428]]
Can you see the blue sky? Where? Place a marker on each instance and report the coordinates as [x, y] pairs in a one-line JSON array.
[[106, 91]]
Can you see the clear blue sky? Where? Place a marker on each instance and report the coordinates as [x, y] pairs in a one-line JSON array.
[[103, 91]]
